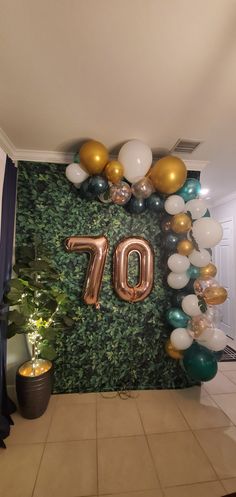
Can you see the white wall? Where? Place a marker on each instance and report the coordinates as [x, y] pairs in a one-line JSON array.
[[16, 347]]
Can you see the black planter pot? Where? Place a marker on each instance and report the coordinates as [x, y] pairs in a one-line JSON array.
[[33, 392]]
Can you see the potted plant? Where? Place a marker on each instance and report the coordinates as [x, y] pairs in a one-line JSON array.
[[39, 309]]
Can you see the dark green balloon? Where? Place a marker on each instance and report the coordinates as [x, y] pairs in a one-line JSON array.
[[189, 288], [84, 190], [155, 203], [97, 185], [177, 318], [136, 205], [200, 363], [193, 272], [207, 214], [170, 241], [190, 190], [177, 298]]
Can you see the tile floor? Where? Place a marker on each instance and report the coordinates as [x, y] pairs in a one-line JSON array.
[[179, 443]]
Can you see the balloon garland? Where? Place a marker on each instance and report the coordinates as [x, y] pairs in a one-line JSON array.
[[189, 234]]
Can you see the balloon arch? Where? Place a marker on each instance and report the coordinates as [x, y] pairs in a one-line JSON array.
[[189, 235]]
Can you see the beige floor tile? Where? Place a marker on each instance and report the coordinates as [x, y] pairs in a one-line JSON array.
[[73, 422], [128, 396], [125, 465], [229, 485], [145, 493], [227, 366], [76, 398], [227, 402], [220, 384], [18, 469], [31, 430], [231, 375], [115, 419], [200, 410], [68, 469], [220, 446], [179, 459], [159, 413], [209, 489]]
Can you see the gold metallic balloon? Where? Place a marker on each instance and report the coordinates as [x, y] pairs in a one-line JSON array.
[[185, 247], [172, 352], [114, 171], [93, 156], [180, 223], [208, 271], [146, 266], [168, 174], [215, 295], [41, 367], [97, 247]]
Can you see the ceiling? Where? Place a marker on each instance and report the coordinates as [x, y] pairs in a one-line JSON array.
[[157, 70]]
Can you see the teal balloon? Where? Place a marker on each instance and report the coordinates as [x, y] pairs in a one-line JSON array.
[[84, 190], [97, 185], [200, 363], [193, 272], [177, 318], [136, 205], [207, 214], [155, 203], [190, 190]]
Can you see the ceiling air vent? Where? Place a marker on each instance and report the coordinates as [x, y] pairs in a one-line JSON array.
[[185, 146]]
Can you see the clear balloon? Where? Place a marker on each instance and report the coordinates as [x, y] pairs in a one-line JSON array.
[[196, 207], [199, 258], [207, 232], [174, 204], [136, 158], [143, 188], [190, 305], [120, 193], [201, 285], [181, 339], [177, 280], [76, 174], [178, 263], [199, 324]]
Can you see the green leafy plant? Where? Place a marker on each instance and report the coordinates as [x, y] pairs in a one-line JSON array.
[[37, 307]]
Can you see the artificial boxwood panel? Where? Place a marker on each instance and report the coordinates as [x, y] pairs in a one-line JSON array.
[[120, 346]]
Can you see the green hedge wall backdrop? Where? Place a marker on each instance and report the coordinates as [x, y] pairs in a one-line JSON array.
[[120, 346]]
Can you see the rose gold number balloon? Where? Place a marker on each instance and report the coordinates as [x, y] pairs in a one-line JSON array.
[[120, 274], [97, 248]]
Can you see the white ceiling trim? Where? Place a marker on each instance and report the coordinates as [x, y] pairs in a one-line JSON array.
[[223, 200], [63, 157]]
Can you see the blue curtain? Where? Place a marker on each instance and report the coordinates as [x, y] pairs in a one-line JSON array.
[[6, 250]]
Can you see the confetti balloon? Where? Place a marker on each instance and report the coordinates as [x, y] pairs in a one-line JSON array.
[[120, 193]]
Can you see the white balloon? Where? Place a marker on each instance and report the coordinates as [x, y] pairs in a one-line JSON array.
[[190, 305], [200, 258], [76, 174], [181, 339], [174, 204], [136, 158], [178, 263], [207, 232], [216, 340], [197, 207], [205, 336], [177, 280]]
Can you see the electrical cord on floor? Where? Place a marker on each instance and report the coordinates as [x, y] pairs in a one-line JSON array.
[[122, 394]]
